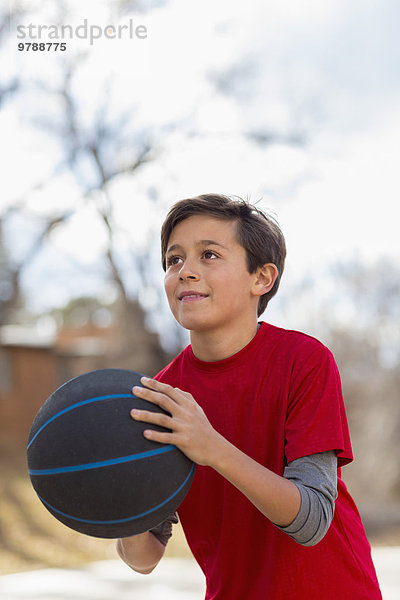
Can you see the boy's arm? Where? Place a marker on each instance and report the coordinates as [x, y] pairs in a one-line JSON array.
[[316, 477], [276, 497], [141, 552]]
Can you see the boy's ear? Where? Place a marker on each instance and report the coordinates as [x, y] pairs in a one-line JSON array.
[[265, 278]]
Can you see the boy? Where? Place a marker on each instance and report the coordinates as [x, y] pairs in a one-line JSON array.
[[260, 410]]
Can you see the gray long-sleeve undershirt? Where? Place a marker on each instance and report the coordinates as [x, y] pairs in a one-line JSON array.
[[316, 478]]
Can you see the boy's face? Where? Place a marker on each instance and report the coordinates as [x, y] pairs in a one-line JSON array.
[[207, 282]]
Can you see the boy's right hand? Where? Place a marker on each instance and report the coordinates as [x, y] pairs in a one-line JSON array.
[[190, 430]]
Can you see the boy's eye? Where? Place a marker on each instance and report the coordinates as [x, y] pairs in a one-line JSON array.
[[173, 260], [209, 254]]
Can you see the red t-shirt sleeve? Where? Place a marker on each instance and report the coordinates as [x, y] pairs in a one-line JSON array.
[[316, 417]]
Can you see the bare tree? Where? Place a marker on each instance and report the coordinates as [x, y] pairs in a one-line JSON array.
[[113, 146], [366, 345]]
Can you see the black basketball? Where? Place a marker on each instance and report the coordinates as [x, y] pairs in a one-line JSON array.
[[90, 464]]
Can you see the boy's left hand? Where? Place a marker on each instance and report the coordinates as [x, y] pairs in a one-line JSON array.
[[190, 429]]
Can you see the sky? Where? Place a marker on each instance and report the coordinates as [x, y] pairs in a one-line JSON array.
[[205, 82]]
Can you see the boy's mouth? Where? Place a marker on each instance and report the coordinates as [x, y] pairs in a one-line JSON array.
[[191, 296]]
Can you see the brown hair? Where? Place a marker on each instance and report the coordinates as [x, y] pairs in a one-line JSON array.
[[257, 232]]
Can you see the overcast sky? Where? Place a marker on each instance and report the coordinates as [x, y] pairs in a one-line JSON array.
[[324, 72]]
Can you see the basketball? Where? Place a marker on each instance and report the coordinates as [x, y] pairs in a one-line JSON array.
[[92, 468]]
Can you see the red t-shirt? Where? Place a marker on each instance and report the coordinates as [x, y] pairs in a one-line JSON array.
[[277, 399]]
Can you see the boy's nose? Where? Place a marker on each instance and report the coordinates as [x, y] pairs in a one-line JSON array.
[[188, 273]]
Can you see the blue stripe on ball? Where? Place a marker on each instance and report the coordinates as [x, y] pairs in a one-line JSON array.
[[102, 463], [77, 405], [114, 522]]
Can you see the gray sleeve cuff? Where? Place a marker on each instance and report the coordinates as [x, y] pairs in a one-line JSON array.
[[316, 478], [163, 531]]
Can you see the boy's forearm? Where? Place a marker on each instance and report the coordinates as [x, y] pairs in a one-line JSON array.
[[276, 497], [141, 552]]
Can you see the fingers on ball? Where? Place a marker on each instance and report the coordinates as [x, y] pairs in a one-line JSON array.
[[151, 417]]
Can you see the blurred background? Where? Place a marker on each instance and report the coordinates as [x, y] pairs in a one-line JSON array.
[[293, 105]]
